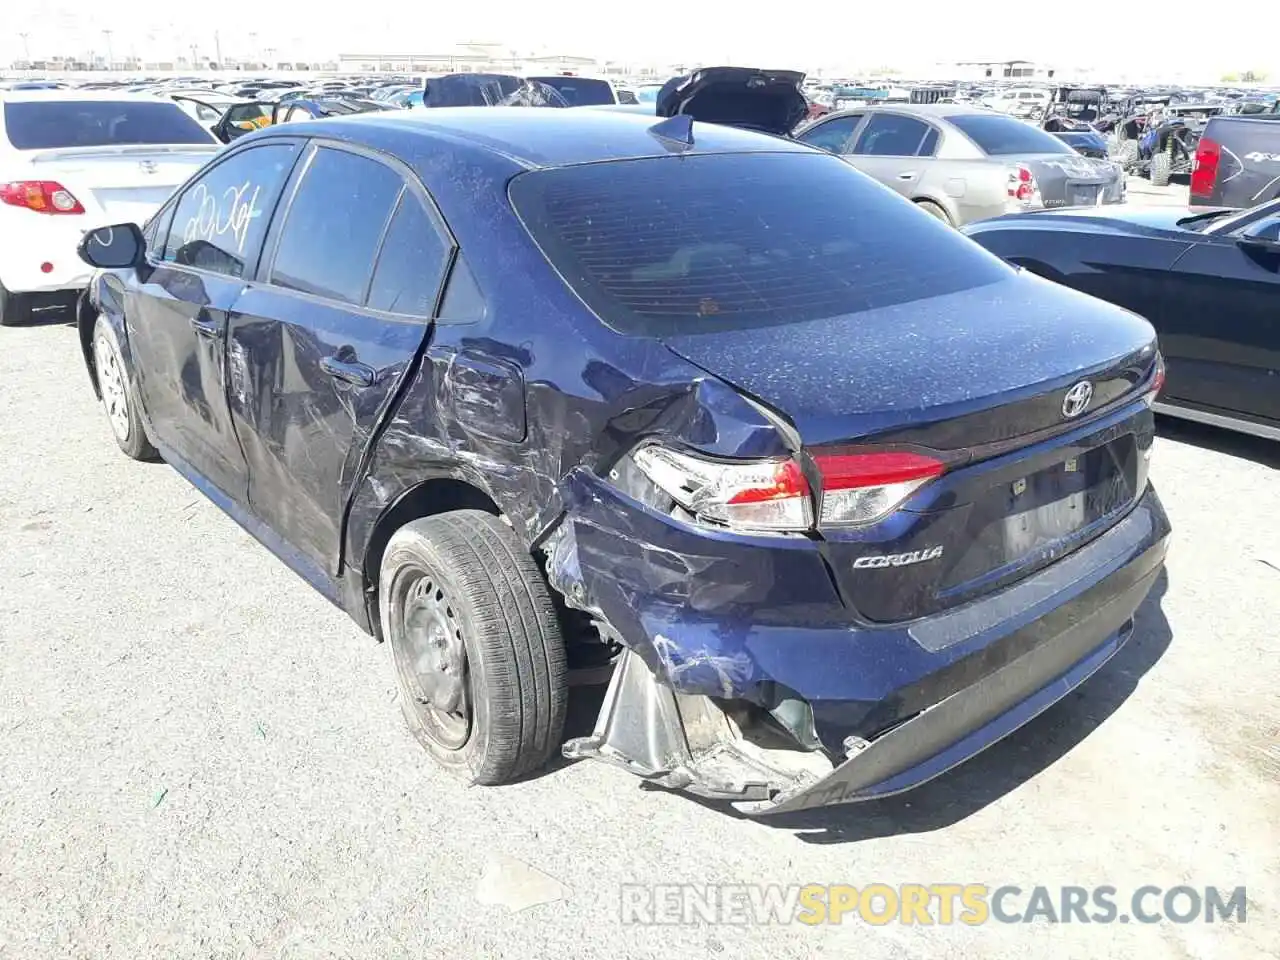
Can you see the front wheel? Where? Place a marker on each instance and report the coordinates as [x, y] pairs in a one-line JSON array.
[[476, 645], [118, 398]]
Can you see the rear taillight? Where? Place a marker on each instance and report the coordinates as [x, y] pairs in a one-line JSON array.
[[863, 487], [1156, 383], [1022, 187], [1204, 168], [42, 196], [745, 494], [776, 496]]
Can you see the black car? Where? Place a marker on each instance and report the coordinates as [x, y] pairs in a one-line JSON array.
[[528, 390], [1209, 282]]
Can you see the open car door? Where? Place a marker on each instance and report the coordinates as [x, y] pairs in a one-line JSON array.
[[242, 118]]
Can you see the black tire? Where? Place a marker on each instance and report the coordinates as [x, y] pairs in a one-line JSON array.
[[1161, 169], [462, 581], [125, 419], [934, 210], [15, 308], [1127, 153]]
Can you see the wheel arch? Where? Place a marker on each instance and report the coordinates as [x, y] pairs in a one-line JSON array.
[[446, 489], [953, 216], [86, 320]]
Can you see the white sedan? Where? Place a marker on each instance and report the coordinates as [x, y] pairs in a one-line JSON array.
[[71, 161]]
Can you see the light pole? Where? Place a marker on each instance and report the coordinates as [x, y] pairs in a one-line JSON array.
[[253, 46], [110, 56], [26, 48]]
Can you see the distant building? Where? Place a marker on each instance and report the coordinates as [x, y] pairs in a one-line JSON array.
[[979, 70], [467, 58]]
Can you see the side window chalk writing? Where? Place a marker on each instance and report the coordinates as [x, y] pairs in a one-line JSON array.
[[219, 222], [334, 225]]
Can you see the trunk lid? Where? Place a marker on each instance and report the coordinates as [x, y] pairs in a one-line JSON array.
[[1071, 180], [126, 184], [767, 100], [979, 379]]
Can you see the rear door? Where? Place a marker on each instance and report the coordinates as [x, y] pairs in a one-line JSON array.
[[887, 149], [1220, 327], [205, 250], [344, 302]]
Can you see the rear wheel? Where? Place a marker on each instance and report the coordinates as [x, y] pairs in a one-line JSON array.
[[934, 210], [14, 308], [476, 645], [1161, 169], [118, 398], [1127, 153]]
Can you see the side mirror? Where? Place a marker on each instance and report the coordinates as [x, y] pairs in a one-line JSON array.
[[113, 248], [1261, 235]]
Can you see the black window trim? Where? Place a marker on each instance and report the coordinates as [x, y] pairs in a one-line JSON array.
[[412, 184], [171, 208]]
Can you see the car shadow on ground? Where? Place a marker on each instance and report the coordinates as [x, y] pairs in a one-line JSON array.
[[1227, 442], [982, 780]]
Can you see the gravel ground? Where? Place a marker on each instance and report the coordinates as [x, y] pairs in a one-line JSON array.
[[201, 758]]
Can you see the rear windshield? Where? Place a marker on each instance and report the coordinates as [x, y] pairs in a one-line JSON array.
[[580, 91], [1001, 136], [55, 124], [679, 245]]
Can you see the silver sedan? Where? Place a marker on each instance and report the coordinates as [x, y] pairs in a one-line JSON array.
[[963, 164]]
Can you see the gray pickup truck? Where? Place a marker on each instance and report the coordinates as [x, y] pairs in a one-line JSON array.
[[1237, 162]]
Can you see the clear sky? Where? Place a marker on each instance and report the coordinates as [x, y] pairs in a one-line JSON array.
[[802, 35]]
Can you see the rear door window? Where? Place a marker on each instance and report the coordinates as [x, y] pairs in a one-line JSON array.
[[891, 135], [334, 225], [221, 219], [678, 245], [61, 124], [410, 267]]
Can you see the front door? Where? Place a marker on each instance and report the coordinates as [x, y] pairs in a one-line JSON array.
[[177, 315], [319, 345]]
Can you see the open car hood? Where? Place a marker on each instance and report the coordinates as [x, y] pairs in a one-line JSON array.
[[766, 100]]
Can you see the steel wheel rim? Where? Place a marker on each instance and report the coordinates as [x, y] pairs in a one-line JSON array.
[[111, 382], [433, 659]]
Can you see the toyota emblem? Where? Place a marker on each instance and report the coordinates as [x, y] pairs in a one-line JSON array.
[[148, 166], [1077, 399]]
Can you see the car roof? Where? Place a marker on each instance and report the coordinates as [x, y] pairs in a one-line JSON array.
[[533, 137], [61, 96], [934, 111]]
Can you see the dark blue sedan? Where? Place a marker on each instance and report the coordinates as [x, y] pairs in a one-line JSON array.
[[839, 496]]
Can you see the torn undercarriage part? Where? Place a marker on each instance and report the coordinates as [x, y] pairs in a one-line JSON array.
[[690, 742]]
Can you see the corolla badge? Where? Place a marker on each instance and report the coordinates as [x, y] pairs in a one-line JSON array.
[[897, 559], [1077, 399], [148, 166]]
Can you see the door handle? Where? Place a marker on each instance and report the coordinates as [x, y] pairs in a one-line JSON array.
[[907, 176], [206, 328], [348, 371]]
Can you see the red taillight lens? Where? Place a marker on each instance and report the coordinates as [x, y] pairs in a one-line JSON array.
[[42, 196], [1022, 186], [1204, 169], [1157, 381], [775, 496], [768, 495], [863, 487]]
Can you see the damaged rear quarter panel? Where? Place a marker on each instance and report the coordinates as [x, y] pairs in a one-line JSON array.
[[537, 391]]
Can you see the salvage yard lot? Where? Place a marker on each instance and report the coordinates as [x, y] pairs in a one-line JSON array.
[[201, 758]]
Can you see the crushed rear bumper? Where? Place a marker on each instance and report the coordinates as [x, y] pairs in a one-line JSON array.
[[1083, 613]]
